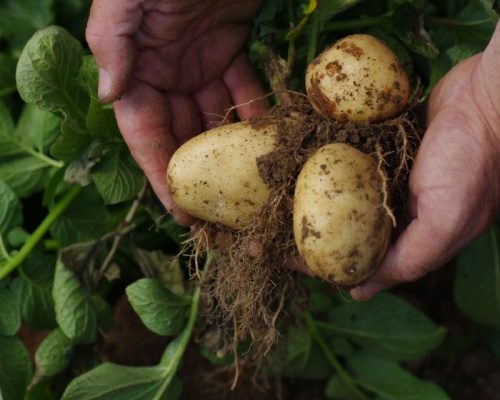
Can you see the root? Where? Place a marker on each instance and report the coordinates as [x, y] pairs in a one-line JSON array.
[[385, 185], [247, 293]]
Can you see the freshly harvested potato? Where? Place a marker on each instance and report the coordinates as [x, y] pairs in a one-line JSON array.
[[214, 176], [340, 225], [357, 79]]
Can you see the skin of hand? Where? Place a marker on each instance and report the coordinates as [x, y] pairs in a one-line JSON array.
[[455, 180], [172, 68]]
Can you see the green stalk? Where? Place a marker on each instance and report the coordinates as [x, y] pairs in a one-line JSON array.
[[313, 37], [355, 23], [39, 233], [171, 360], [344, 375]]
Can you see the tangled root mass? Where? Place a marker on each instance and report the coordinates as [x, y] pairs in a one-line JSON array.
[[248, 293]]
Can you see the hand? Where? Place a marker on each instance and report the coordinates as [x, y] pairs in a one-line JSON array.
[[172, 68], [455, 180]]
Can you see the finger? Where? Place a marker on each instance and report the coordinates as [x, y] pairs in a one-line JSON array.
[[421, 248], [298, 264], [110, 27], [186, 117], [144, 120], [244, 87], [213, 100]]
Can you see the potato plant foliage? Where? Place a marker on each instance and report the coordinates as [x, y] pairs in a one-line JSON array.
[[81, 232]]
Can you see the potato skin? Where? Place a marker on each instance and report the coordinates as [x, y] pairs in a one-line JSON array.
[[357, 79], [340, 225], [214, 176]]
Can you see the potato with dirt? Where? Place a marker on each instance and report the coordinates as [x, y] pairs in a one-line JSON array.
[[340, 221], [215, 177], [357, 79]]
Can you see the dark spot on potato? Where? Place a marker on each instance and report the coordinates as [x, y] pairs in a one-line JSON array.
[[350, 48], [333, 68], [341, 77], [306, 230]]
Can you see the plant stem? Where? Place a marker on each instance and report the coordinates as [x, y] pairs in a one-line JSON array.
[[355, 23], [39, 233], [171, 360], [344, 375], [313, 37]]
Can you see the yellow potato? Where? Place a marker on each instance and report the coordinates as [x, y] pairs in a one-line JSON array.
[[214, 176], [357, 79], [340, 225]]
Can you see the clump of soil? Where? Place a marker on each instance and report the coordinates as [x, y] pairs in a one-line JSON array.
[[248, 293]]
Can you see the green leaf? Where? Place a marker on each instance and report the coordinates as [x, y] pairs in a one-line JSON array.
[[15, 368], [303, 359], [117, 177], [11, 215], [53, 355], [329, 8], [19, 19], [337, 389], [38, 128], [386, 324], [22, 166], [10, 317], [84, 220], [35, 285], [75, 312], [477, 279], [388, 380], [47, 76], [160, 310], [111, 381], [101, 120], [7, 74]]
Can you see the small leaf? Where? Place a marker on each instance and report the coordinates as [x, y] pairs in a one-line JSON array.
[[75, 312], [388, 380], [117, 177], [10, 317], [387, 324], [477, 279], [38, 128], [35, 285], [111, 381], [15, 368], [160, 310], [22, 167], [84, 220], [53, 355], [47, 76], [11, 215]]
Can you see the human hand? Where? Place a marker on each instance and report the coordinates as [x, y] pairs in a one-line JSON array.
[[172, 68], [455, 180]]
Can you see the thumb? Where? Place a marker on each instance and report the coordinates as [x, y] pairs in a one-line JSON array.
[[110, 28], [421, 248]]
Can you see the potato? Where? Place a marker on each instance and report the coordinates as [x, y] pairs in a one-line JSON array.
[[214, 176], [357, 79], [340, 225]]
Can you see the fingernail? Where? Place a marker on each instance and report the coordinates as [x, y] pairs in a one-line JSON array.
[[105, 84]]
